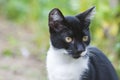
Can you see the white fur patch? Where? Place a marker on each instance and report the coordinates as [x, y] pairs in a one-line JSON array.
[[83, 53], [61, 66]]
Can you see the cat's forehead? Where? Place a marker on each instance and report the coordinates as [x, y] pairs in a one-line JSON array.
[[72, 20], [73, 23]]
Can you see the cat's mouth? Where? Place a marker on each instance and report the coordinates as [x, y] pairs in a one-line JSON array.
[[80, 54], [76, 56]]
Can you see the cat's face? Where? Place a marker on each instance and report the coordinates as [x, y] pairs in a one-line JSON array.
[[70, 33]]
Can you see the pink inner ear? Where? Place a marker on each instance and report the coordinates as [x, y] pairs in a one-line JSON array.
[[56, 15]]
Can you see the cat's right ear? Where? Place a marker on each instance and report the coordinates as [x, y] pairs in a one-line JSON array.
[[55, 19], [87, 15]]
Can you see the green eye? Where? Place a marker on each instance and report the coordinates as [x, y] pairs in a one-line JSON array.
[[85, 38], [68, 39]]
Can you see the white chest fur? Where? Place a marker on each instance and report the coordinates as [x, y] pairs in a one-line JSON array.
[[61, 66]]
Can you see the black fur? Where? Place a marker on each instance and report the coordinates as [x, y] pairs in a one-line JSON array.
[[76, 27], [100, 68], [71, 26]]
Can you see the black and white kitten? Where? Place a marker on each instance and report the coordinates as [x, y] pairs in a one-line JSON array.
[[70, 57]]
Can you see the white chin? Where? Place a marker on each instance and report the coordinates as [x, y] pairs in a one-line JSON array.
[[83, 53]]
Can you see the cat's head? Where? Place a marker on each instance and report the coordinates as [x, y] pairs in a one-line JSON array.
[[70, 32]]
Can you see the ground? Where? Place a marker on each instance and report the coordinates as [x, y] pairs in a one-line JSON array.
[[20, 58], [21, 69]]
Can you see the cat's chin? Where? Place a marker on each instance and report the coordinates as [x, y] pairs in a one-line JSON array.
[[76, 56]]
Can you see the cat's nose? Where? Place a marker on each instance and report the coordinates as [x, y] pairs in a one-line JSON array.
[[80, 49]]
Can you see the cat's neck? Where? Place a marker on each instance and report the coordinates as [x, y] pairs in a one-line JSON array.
[[61, 66], [59, 53]]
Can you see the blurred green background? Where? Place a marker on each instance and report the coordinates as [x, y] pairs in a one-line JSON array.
[[24, 36]]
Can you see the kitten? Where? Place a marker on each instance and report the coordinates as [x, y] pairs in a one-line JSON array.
[[70, 57]]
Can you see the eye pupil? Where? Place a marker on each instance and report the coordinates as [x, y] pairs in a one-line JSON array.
[[85, 38], [68, 39]]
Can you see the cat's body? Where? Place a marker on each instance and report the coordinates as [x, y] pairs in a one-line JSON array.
[[93, 66], [70, 57]]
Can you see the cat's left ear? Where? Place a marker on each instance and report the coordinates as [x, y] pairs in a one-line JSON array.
[[56, 15], [56, 18], [87, 15]]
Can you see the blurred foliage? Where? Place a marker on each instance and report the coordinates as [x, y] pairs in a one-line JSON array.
[[33, 14], [7, 53]]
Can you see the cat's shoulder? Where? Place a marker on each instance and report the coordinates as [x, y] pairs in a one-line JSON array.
[[94, 50], [97, 54]]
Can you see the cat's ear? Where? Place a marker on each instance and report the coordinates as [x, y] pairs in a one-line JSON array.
[[55, 15], [87, 15], [55, 19]]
